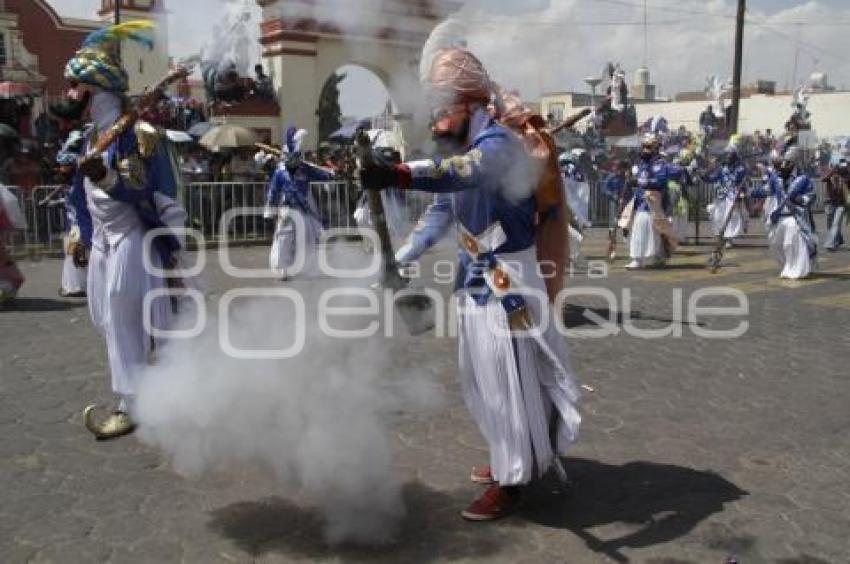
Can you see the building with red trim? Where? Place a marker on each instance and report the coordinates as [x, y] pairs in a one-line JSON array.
[[36, 43]]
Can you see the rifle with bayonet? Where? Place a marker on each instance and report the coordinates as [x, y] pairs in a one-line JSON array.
[[415, 308]]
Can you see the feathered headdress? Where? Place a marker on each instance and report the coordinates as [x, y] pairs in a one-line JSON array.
[[447, 35], [139, 31], [294, 139], [97, 64]]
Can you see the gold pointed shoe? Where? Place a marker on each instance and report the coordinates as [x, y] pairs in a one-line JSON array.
[[116, 425]]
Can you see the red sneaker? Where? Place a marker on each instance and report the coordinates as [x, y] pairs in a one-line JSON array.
[[496, 502], [482, 475]]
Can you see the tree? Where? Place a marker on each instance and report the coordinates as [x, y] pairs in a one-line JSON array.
[[329, 111]]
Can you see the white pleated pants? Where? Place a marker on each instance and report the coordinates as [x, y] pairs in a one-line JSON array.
[[294, 229], [117, 286], [513, 385]]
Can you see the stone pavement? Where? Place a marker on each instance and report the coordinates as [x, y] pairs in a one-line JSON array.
[[692, 449]]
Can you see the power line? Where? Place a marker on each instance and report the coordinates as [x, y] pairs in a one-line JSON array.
[[763, 23], [561, 24], [706, 13]]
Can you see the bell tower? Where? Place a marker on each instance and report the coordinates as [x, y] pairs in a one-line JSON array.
[[144, 67]]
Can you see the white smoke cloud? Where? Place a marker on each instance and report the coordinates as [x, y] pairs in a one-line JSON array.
[[318, 423], [233, 41]]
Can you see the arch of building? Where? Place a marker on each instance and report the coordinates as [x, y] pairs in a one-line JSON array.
[[302, 52]]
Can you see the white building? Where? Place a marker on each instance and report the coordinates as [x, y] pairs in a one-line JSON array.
[[830, 111]]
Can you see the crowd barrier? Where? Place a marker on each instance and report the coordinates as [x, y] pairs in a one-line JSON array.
[[699, 195], [207, 204]]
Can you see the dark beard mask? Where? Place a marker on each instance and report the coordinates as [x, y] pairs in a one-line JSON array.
[[71, 110], [449, 143], [293, 163]]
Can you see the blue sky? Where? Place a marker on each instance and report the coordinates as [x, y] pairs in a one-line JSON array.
[[535, 45]]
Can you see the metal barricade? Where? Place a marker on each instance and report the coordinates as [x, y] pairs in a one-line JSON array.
[[207, 202], [47, 219], [45, 227], [337, 202]]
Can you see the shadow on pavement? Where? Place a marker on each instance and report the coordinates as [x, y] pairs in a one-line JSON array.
[[656, 503], [802, 559], [41, 305], [432, 530], [574, 317], [675, 266], [829, 276]]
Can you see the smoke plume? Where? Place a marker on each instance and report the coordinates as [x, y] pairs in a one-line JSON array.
[[317, 423]]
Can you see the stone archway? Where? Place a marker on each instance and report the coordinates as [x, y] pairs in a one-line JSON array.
[[302, 49]]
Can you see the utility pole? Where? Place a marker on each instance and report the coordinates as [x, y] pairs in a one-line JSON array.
[[739, 60], [118, 21]]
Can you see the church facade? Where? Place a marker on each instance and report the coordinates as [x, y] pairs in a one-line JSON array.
[[35, 43]]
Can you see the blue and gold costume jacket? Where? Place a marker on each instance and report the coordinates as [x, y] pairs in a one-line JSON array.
[[654, 175], [144, 167], [292, 189], [490, 185]]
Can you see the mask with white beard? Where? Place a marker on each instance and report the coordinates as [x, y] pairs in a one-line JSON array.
[[105, 109]]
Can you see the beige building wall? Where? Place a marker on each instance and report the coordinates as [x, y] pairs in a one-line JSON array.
[[301, 63], [830, 112], [145, 67]]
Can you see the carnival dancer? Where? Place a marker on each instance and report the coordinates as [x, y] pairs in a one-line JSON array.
[[679, 204], [790, 235], [514, 381], [73, 282], [122, 189], [577, 192], [730, 179], [289, 200], [647, 217], [11, 219], [771, 190], [618, 191], [837, 182]]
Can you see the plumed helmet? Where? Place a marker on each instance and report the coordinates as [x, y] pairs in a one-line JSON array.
[[650, 142], [792, 154], [294, 140], [457, 76]]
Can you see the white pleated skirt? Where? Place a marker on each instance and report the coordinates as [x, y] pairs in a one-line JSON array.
[[517, 386], [73, 278], [576, 239], [718, 212], [286, 238], [788, 247], [644, 240], [117, 285]]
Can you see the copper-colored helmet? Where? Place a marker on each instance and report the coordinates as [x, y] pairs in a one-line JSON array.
[[457, 76]]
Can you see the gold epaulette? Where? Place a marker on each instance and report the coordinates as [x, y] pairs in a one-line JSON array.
[[148, 137]]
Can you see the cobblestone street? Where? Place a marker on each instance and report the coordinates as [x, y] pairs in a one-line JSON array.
[[692, 449]]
